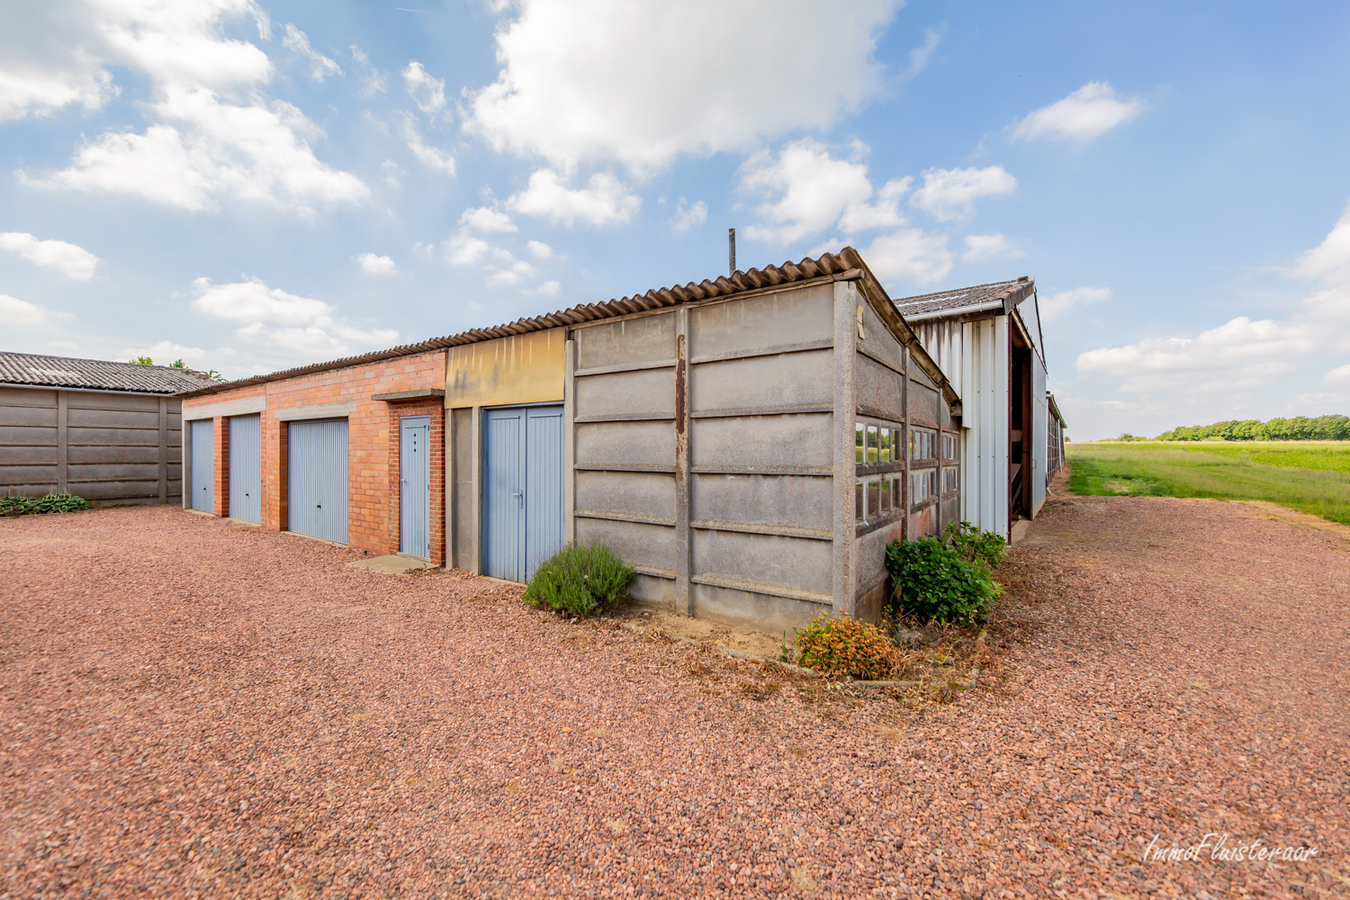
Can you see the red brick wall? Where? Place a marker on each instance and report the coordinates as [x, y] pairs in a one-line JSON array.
[[221, 459], [372, 475]]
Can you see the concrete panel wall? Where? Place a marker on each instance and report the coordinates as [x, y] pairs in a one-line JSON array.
[[765, 382], [880, 390], [107, 447], [463, 519], [762, 443], [756, 324]]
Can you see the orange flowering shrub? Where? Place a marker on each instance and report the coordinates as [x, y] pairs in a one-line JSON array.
[[844, 647]]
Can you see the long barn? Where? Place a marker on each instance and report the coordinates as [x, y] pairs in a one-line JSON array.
[[749, 444]]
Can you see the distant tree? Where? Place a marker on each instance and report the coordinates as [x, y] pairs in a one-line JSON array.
[[1299, 428], [177, 364], [143, 361]]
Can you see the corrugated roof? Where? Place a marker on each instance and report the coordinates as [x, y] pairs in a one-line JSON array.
[[966, 299], [846, 262], [96, 374]]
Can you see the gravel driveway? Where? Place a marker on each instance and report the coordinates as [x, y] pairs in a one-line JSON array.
[[191, 707]]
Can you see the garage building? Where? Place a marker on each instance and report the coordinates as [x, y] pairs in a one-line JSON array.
[[105, 431], [749, 444]]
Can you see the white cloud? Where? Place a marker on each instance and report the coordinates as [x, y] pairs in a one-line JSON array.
[[552, 288], [320, 66], [951, 193], [20, 313], [919, 56], [987, 246], [427, 92], [1339, 375], [372, 79], [217, 134], [1058, 305], [813, 190], [45, 63], [687, 217], [1087, 113], [1330, 260], [68, 259], [910, 255], [586, 80], [298, 326], [167, 352], [604, 201], [540, 249], [373, 264], [431, 157], [884, 213], [464, 250], [512, 271], [1242, 354], [486, 219]]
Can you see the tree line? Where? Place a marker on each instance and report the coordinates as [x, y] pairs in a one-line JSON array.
[[1299, 428]]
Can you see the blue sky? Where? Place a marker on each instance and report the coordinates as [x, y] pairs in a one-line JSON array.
[[251, 185]]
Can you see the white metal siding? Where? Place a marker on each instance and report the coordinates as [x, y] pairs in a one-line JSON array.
[[984, 463], [1040, 417]]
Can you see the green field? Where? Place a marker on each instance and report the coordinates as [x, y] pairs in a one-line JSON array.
[[1312, 476]]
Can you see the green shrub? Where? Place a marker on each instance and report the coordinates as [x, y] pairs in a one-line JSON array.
[[845, 647], [932, 581], [974, 545], [52, 503], [581, 581]]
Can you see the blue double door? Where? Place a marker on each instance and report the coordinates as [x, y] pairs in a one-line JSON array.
[[522, 489]]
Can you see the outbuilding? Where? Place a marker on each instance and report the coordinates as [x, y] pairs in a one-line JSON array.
[[106, 431], [750, 444], [987, 340]]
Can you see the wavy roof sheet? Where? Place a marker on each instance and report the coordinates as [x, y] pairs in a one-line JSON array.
[[97, 374], [846, 262], [967, 299]]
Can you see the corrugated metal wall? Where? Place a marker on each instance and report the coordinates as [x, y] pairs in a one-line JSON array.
[[105, 447], [1040, 455], [201, 466], [543, 485], [317, 471], [414, 471], [504, 493], [246, 468], [985, 361]]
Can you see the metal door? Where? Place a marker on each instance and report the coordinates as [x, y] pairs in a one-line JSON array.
[[414, 487], [246, 468], [317, 475], [202, 472], [543, 485], [522, 489]]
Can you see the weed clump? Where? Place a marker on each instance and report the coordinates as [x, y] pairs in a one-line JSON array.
[[581, 581], [52, 503], [947, 579], [843, 647]]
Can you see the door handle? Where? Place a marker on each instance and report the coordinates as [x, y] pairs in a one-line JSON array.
[[521, 497]]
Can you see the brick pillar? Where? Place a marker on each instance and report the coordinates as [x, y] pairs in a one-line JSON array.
[[221, 454]]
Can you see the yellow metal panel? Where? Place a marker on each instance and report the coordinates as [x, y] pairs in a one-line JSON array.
[[522, 368]]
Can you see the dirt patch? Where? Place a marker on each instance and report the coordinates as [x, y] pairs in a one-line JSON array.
[[192, 709]]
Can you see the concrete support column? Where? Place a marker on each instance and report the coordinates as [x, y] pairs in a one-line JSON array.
[[62, 443], [476, 439], [844, 575], [569, 440], [163, 450], [684, 591]]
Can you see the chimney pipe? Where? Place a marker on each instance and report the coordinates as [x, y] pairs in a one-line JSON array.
[[731, 251]]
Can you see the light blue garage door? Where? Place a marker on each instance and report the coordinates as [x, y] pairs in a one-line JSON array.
[[317, 472], [246, 468], [414, 488], [202, 471], [522, 489]]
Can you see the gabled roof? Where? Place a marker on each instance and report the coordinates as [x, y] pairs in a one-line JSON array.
[[967, 300], [846, 265], [97, 374]]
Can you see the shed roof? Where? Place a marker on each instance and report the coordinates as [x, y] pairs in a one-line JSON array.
[[966, 300], [97, 374], [846, 265]]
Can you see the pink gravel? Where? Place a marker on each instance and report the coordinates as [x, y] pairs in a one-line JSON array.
[[191, 707]]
